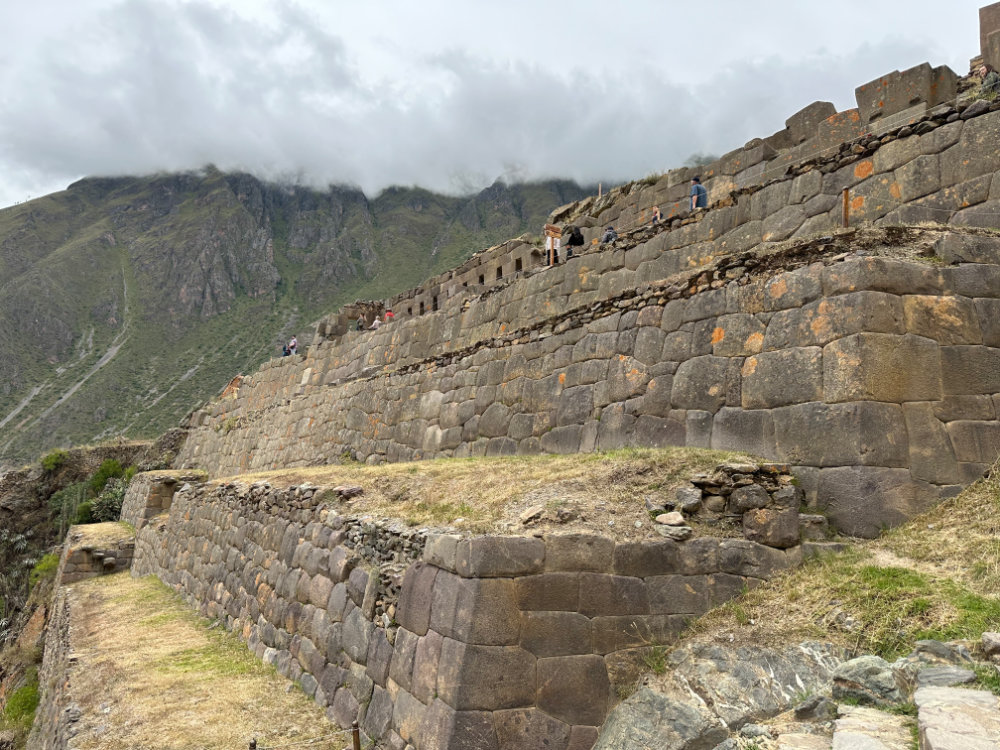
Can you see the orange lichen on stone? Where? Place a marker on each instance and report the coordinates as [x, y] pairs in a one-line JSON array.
[[754, 342], [718, 335], [562, 378], [858, 203], [864, 169], [749, 366], [895, 191], [777, 288]]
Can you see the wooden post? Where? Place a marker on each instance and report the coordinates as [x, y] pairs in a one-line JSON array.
[[356, 736], [598, 189], [847, 207]]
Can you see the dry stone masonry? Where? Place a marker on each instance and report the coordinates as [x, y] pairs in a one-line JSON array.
[[434, 639]]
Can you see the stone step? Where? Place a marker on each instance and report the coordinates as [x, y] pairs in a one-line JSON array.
[[861, 728], [957, 719], [800, 741]]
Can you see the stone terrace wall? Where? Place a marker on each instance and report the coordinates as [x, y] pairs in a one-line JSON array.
[[494, 642], [150, 494]]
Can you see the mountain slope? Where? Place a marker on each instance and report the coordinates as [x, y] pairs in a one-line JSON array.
[[126, 302]]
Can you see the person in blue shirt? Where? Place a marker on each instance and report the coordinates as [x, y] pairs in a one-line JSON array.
[[699, 195]]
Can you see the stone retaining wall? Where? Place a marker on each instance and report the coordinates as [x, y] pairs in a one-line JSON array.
[[490, 642], [150, 494]]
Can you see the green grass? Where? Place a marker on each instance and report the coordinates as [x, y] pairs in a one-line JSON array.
[[44, 568], [22, 703]]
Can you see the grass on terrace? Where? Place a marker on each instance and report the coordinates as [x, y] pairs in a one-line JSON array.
[[151, 673], [937, 577], [488, 494]]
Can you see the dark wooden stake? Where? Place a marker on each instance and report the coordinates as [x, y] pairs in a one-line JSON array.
[[356, 735], [847, 207]]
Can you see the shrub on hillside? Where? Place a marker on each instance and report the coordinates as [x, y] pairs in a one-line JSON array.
[[66, 505], [108, 505], [54, 460], [44, 568], [108, 469]]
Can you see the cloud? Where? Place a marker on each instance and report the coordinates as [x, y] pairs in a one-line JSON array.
[[151, 86]]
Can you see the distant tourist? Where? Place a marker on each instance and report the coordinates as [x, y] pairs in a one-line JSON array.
[[284, 350], [610, 235], [293, 346], [375, 324], [575, 240], [361, 323], [389, 316], [991, 80], [699, 195], [656, 214]]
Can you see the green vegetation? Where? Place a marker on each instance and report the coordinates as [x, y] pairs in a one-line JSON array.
[[107, 470], [44, 568], [20, 708], [108, 505], [54, 460], [937, 577]]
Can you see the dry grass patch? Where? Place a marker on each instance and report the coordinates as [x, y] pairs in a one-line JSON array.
[[152, 674], [101, 534], [936, 577], [488, 494]]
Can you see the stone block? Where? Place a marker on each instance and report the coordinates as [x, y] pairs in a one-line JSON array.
[[919, 177], [490, 678], [408, 716], [863, 500], [700, 383], [678, 595], [478, 610], [490, 557], [802, 125], [574, 689], [602, 594], [772, 527], [379, 658], [752, 431], [779, 378], [563, 440], [977, 442], [405, 652], [742, 557], [578, 552], [820, 434], [426, 659], [970, 370], [946, 319], [357, 635], [611, 634], [555, 633], [415, 597], [882, 367], [443, 727], [965, 248], [897, 91], [737, 335], [345, 707], [530, 729], [977, 151], [378, 717], [932, 458], [951, 408], [440, 550], [749, 497], [783, 224], [549, 591], [641, 559]]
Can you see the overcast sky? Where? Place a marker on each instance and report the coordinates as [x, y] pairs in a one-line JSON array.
[[447, 94]]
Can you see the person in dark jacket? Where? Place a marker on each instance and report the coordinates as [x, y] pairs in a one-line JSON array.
[[699, 195], [610, 235], [575, 240]]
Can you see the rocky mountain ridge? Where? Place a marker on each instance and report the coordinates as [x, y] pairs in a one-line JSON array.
[[126, 300]]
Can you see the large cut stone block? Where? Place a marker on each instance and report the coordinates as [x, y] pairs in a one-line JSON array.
[[788, 376], [976, 442], [945, 319], [977, 151], [612, 634], [578, 552], [931, 456], [442, 727], [641, 559], [897, 91], [530, 729], [555, 633], [741, 557], [574, 689], [602, 594], [415, 598], [678, 595], [549, 591], [822, 321], [491, 557], [700, 383], [736, 429], [882, 367], [802, 125], [476, 610], [425, 667], [485, 678], [772, 527], [969, 370], [737, 335], [820, 434], [863, 500]]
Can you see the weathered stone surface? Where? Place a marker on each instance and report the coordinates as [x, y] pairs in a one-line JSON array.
[[415, 598], [735, 429], [867, 680], [789, 376], [678, 595], [882, 367], [574, 689], [649, 719], [945, 319], [443, 727], [611, 634], [861, 727], [612, 595], [970, 370], [555, 633], [952, 718], [700, 383], [426, 658], [846, 494], [578, 552], [841, 434], [641, 559], [530, 729], [490, 557], [483, 611], [771, 527], [749, 497], [549, 591], [485, 678]]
